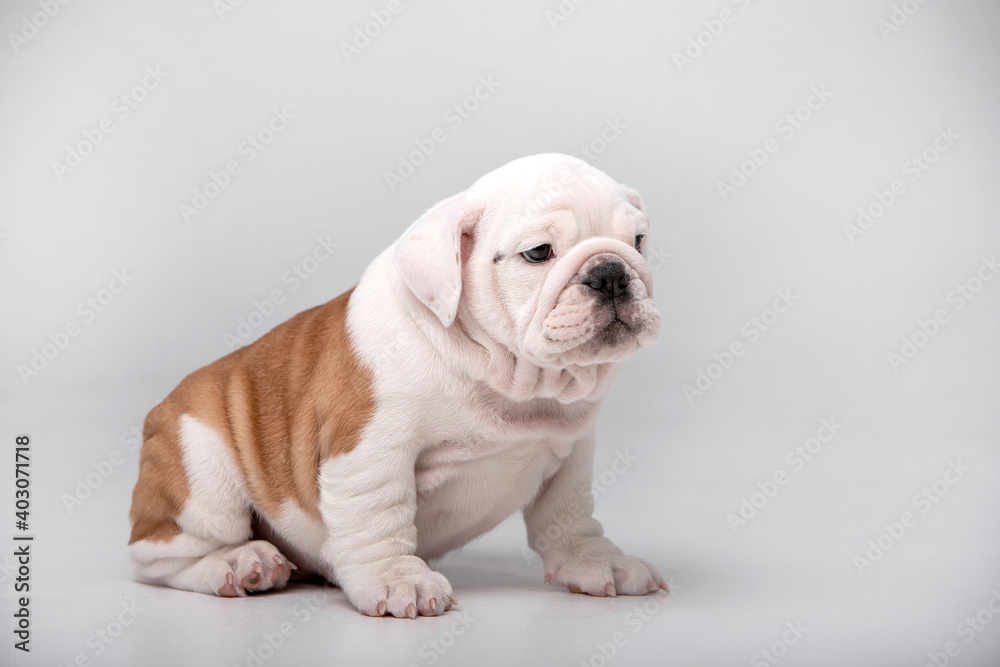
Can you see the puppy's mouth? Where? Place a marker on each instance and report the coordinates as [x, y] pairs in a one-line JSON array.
[[616, 332], [586, 327], [595, 307]]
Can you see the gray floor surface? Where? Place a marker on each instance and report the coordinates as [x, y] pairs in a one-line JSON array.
[[786, 583]]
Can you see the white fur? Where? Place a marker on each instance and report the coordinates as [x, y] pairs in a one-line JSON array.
[[482, 410], [304, 533], [218, 507], [478, 415]]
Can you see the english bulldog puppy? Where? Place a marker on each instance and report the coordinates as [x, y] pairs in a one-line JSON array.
[[457, 383]]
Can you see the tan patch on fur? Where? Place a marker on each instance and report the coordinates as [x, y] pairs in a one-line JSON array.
[[162, 488], [284, 403]]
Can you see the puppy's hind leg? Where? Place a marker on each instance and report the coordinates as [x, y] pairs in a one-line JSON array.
[[187, 563], [191, 514]]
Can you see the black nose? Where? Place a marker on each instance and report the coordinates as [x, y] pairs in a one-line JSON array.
[[610, 279]]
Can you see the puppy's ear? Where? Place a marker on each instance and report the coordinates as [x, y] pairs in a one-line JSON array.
[[633, 197], [429, 255]]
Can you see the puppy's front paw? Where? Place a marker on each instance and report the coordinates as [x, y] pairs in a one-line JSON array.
[[597, 567], [403, 587]]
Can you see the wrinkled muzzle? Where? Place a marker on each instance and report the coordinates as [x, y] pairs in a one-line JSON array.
[[595, 306]]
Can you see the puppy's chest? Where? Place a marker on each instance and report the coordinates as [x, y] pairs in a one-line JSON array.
[[469, 460], [476, 441]]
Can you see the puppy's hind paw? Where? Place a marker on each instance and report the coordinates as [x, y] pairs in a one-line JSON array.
[[252, 568]]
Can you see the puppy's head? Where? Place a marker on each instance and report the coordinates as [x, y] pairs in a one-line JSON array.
[[545, 255]]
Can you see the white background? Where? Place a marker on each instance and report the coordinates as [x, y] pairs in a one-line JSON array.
[[683, 128]]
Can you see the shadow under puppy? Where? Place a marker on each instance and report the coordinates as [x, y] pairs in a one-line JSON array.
[[456, 384]]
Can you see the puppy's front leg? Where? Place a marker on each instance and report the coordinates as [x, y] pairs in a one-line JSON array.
[[368, 500], [561, 528]]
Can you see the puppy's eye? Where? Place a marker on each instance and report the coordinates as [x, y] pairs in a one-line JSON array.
[[539, 253], [638, 240]]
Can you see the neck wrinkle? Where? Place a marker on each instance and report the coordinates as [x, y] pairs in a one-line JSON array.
[[467, 348], [520, 379]]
